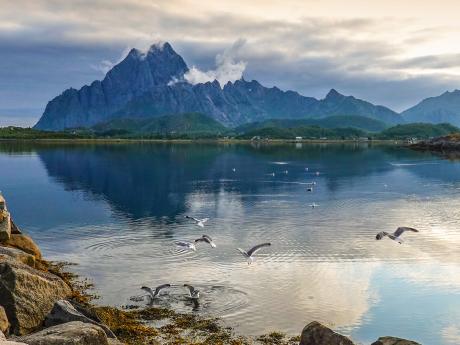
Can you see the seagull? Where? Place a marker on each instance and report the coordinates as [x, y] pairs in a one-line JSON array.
[[185, 244], [396, 235], [199, 222], [249, 254], [314, 205], [317, 173], [207, 239], [193, 293], [233, 169], [306, 169], [155, 294]]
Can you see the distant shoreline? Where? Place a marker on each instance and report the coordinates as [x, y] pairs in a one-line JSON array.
[[204, 141]]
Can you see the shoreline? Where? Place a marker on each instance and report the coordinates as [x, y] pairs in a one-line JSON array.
[[202, 141]]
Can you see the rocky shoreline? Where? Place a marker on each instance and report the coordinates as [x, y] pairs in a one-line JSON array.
[[42, 304], [448, 146]]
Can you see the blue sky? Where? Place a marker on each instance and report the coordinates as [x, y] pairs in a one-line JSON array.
[[388, 53]]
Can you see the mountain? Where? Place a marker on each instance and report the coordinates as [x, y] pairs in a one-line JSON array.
[[189, 123], [151, 84], [357, 122], [441, 109]]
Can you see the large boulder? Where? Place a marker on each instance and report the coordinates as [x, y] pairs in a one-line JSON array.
[[28, 295], [5, 226], [25, 243], [316, 334], [4, 324], [63, 311], [70, 333], [393, 341], [18, 255]]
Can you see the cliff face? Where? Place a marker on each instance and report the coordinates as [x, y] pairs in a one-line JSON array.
[[152, 84]]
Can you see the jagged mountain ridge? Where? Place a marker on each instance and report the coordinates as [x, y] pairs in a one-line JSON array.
[[151, 84]]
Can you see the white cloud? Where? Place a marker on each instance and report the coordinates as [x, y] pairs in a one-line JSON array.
[[227, 68]]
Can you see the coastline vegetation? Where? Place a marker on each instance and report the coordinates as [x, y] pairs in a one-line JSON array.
[[154, 325]]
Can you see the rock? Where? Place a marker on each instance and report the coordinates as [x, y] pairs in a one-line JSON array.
[[18, 255], [24, 243], [113, 341], [63, 311], [4, 324], [316, 334], [14, 228], [5, 226], [393, 341], [28, 295], [2, 336], [70, 333]]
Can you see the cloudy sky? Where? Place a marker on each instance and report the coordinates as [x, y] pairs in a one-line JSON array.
[[389, 52]]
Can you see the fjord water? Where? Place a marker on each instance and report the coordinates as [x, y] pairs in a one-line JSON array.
[[117, 209]]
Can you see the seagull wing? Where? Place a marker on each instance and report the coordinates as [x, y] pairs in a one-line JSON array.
[[401, 229], [201, 239], [255, 249], [190, 288], [209, 240], [149, 290], [159, 288]]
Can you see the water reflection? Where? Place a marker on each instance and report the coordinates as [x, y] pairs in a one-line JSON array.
[[117, 209]]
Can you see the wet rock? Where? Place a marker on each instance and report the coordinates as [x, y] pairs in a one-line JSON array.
[[14, 228], [28, 295], [316, 334], [70, 333], [63, 311], [18, 255], [24, 243], [4, 324], [393, 341], [5, 226]]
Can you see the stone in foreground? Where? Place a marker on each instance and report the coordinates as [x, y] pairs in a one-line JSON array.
[[18, 255], [4, 324], [394, 341], [28, 295], [316, 334], [63, 312], [25, 243], [70, 333]]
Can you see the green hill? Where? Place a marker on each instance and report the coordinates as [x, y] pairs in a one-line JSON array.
[[359, 122], [190, 124], [418, 130], [306, 132]]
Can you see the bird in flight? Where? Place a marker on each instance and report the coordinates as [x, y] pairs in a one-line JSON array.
[[249, 255], [193, 293], [186, 245], [314, 205], [199, 222], [207, 239], [155, 294], [396, 236]]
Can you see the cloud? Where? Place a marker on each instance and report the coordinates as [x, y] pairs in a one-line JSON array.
[[227, 68]]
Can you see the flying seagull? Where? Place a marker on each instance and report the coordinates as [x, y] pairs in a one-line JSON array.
[[199, 222], [396, 235], [193, 293], [314, 205], [185, 244], [207, 239], [249, 254], [154, 294]]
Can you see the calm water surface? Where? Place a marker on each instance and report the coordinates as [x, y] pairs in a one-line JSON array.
[[117, 209]]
